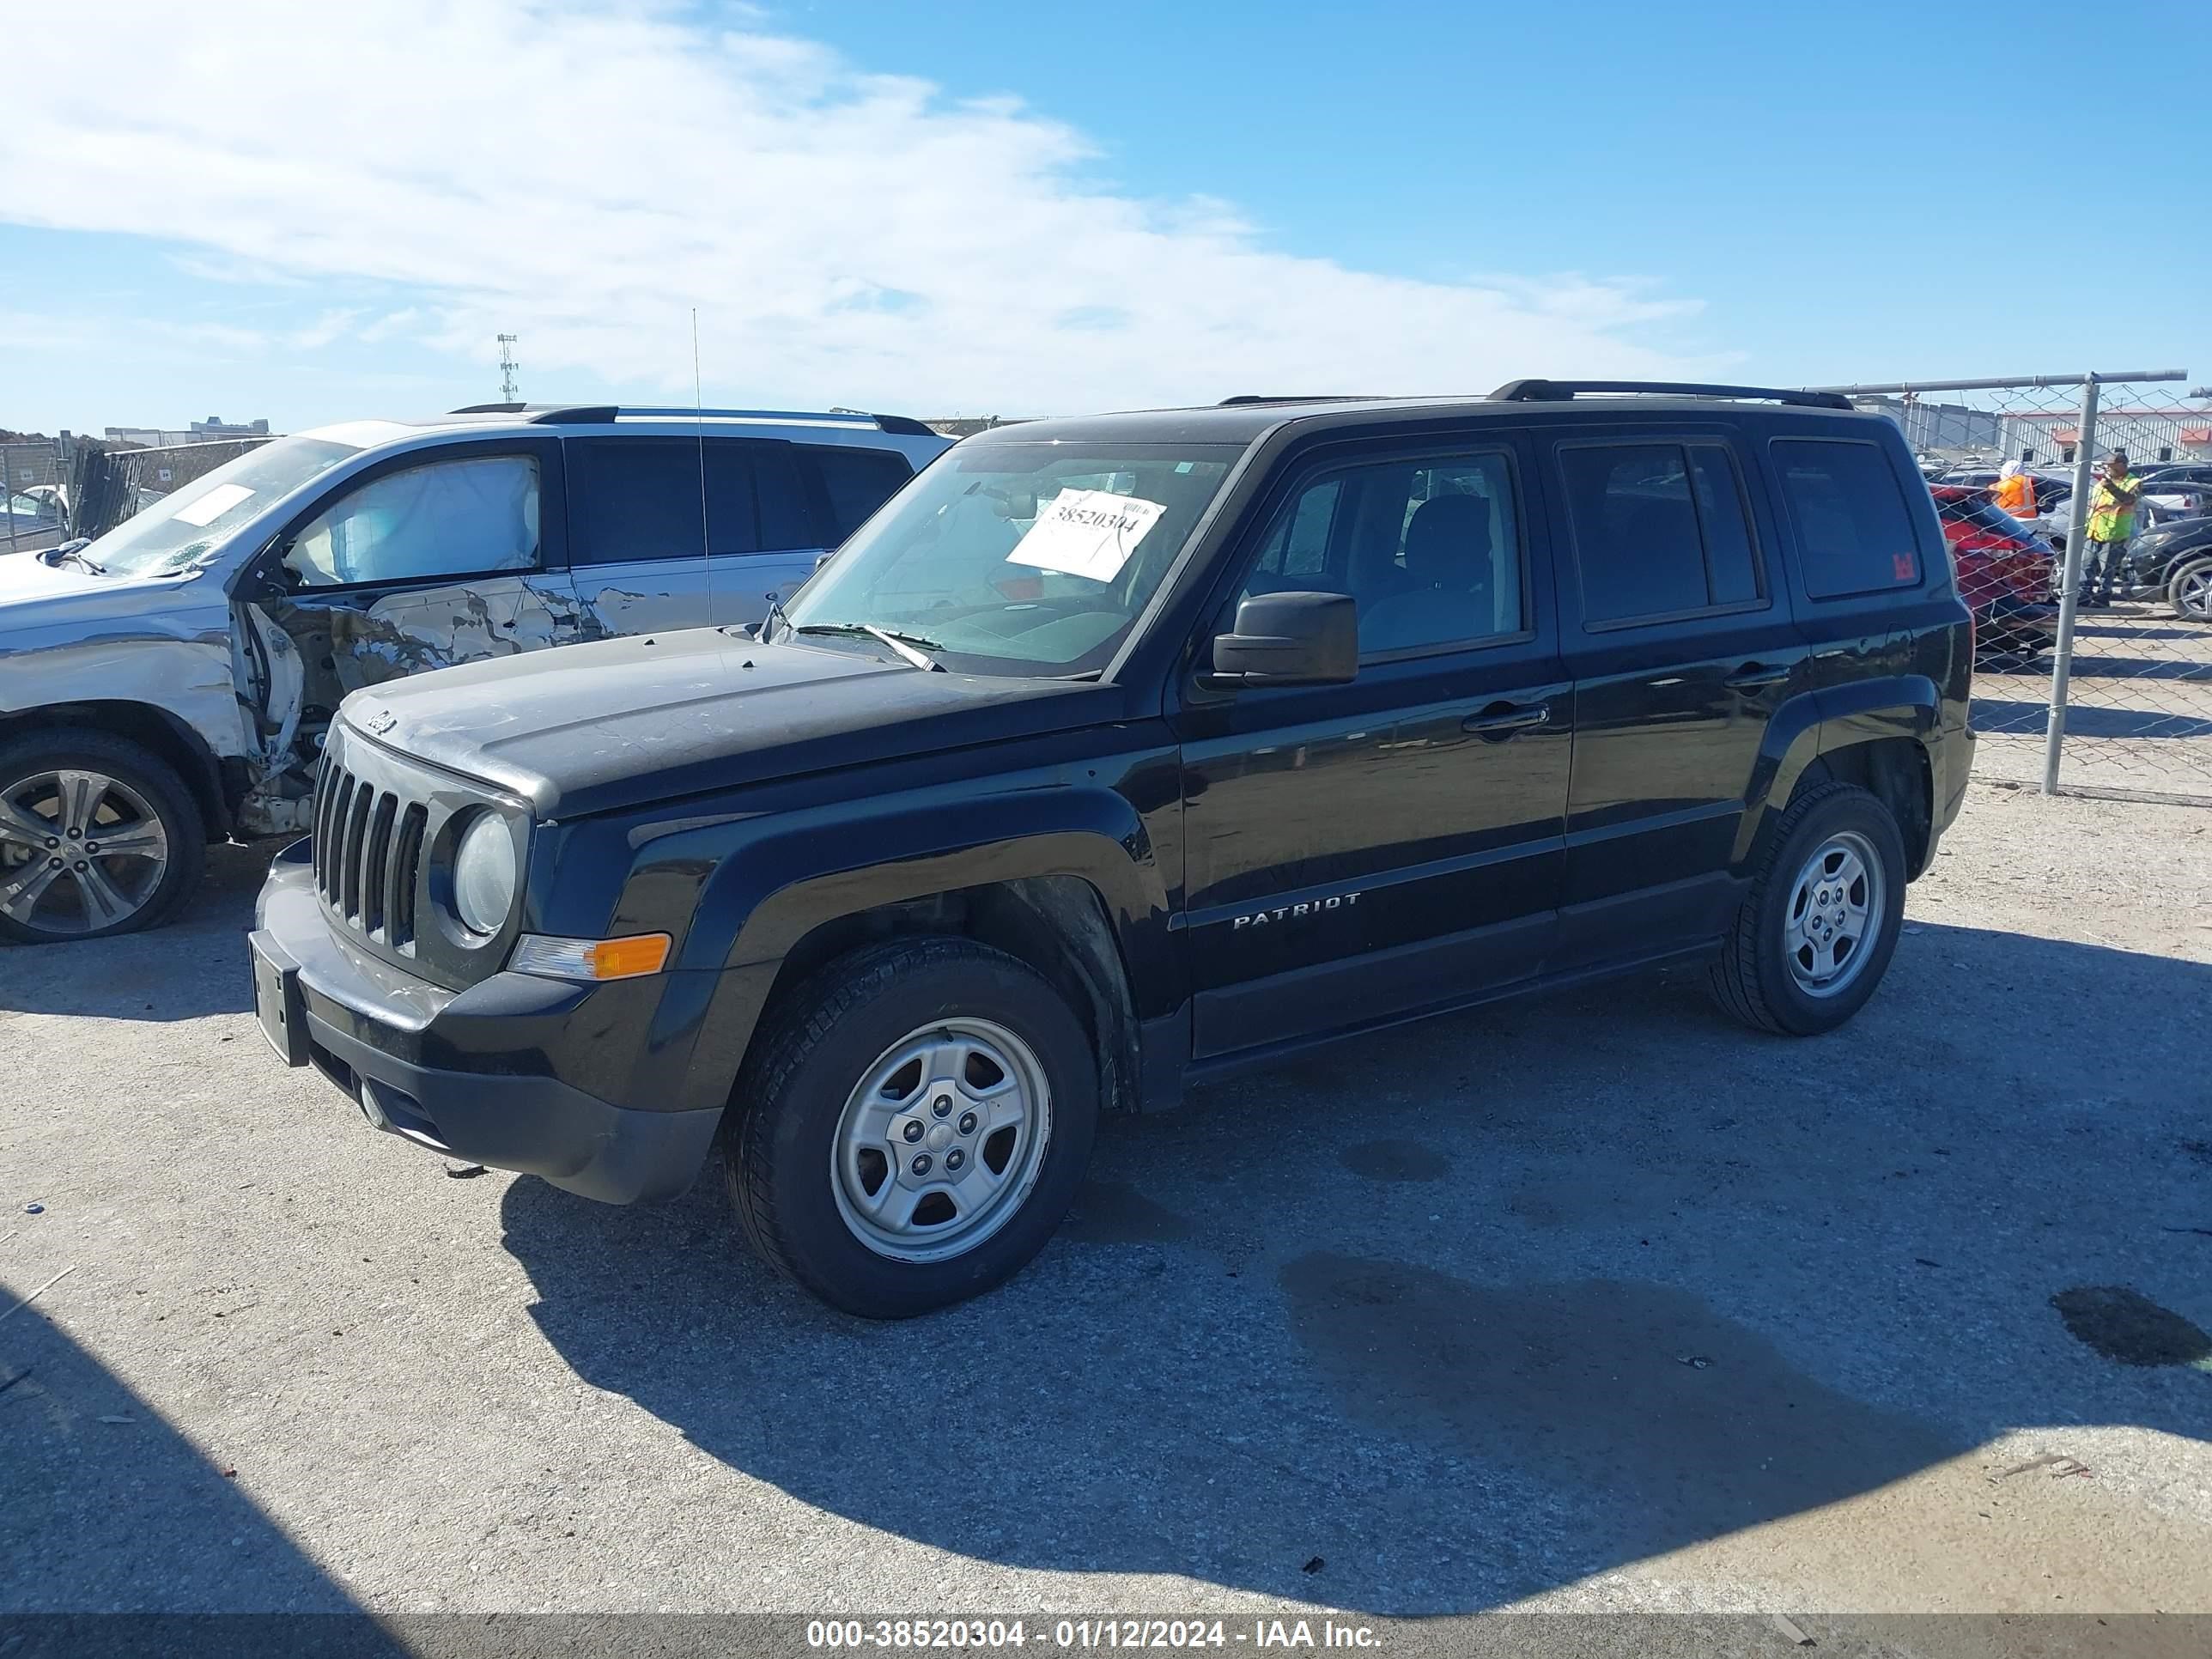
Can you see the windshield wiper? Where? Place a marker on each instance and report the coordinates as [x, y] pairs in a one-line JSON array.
[[911, 646]]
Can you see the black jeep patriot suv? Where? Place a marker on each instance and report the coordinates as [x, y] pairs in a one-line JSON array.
[[1114, 751]]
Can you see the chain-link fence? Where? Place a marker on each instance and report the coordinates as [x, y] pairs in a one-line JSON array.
[[2090, 590], [34, 495]]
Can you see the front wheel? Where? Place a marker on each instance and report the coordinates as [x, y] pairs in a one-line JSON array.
[[2189, 592], [97, 837], [1817, 930], [914, 1126]]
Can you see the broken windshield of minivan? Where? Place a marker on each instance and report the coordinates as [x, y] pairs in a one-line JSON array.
[[1087, 533]]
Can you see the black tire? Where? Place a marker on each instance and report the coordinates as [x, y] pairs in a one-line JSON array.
[[154, 780], [1752, 979], [813, 1050], [2189, 591]]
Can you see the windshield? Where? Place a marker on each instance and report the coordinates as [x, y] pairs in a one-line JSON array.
[[1015, 558], [177, 529]]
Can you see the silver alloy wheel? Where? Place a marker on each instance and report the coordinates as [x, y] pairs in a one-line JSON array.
[[2192, 594], [1834, 909], [941, 1141], [79, 851]]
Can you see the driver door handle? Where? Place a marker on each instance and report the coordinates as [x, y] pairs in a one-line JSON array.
[[1753, 675], [1503, 719]]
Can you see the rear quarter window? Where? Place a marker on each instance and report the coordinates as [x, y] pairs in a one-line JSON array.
[[1853, 522]]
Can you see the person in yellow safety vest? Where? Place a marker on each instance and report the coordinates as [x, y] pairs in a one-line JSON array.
[[2112, 527], [2014, 491]]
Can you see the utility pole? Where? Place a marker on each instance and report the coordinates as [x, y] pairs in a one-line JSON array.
[[507, 367]]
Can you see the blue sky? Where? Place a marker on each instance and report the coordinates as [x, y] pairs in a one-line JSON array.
[[1050, 209]]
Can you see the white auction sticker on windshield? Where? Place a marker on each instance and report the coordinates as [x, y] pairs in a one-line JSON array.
[[1087, 533], [212, 506]]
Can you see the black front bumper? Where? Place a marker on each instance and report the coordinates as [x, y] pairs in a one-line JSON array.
[[374, 1031]]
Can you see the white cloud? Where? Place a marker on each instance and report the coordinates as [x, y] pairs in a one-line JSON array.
[[584, 177]]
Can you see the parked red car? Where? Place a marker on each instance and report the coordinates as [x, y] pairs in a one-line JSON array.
[[2004, 572]]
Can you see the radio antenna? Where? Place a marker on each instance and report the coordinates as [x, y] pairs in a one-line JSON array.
[[699, 410]]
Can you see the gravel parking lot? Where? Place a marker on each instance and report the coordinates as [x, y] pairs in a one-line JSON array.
[[2140, 707], [1594, 1302]]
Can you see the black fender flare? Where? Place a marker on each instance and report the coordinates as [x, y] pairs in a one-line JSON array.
[[1818, 723], [767, 895]]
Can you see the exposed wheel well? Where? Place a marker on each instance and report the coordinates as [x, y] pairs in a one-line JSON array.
[[1056, 924], [155, 730], [1894, 770]]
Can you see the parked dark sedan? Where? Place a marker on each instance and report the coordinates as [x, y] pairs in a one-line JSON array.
[[2173, 563]]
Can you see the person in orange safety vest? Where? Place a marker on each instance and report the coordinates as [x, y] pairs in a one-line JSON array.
[[2014, 492]]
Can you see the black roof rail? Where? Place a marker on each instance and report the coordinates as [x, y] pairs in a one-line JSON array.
[[603, 414], [543, 414], [1243, 398], [1547, 392]]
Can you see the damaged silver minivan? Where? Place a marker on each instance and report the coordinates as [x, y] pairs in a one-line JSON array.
[[169, 684]]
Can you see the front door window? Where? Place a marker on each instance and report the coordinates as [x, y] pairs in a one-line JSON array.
[[1430, 548], [426, 524]]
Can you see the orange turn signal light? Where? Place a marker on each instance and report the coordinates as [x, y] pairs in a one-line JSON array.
[[626, 958], [591, 959]]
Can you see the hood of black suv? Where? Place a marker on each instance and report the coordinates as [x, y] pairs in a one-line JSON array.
[[620, 723]]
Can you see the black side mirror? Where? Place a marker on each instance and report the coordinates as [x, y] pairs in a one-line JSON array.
[[1290, 639]]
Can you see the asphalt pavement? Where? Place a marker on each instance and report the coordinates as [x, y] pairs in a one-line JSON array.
[[1590, 1301]]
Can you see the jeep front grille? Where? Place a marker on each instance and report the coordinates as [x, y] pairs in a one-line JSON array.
[[384, 825], [369, 854]]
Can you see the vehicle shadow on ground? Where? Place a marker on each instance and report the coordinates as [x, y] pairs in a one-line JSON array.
[[2089, 719], [2145, 630], [1600, 1263], [2139, 668], [194, 967], [110, 1510]]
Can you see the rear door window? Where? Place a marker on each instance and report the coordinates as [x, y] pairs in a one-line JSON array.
[[1855, 531], [852, 481], [633, 499], [1660, 529], [1731, 562]]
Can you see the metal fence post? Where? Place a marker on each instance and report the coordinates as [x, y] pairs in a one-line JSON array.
[[2078, 547], [7, 495]]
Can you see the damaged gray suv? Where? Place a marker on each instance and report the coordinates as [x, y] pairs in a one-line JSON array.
[[169, 684]]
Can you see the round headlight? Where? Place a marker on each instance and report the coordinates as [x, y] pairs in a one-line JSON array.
[[483, 874]]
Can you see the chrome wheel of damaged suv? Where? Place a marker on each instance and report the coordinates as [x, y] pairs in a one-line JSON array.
[[96, 837], [942, 1140]]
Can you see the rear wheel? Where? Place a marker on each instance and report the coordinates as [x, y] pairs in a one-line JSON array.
[[97, 837], [2189, 592], [915, 1126], [1817, 931]]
